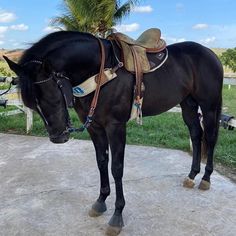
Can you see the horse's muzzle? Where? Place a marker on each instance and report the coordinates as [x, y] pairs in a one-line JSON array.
[[61, 138]]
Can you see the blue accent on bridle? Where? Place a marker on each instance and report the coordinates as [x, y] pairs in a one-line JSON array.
[[77, 90]]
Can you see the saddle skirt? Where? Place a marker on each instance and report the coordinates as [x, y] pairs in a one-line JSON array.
[[149, 47]]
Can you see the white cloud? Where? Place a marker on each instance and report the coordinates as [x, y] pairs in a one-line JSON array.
[[20, 27], [174, 40], [200, 26], [142, 9], [1, 42], [208, 40], [50, 29], [15, 44], [127, 28], [6, 17], [3, 29]]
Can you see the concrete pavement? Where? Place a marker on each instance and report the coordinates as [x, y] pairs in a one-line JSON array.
[[48, 189]]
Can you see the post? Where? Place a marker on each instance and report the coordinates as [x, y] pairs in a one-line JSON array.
[[29, 119]]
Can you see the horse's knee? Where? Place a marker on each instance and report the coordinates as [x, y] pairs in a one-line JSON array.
[[102, 162]]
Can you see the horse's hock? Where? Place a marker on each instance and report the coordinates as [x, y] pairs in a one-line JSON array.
[[48, 189]]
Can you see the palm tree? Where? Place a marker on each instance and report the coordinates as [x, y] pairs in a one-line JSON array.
[[94, 16], [72, 19]]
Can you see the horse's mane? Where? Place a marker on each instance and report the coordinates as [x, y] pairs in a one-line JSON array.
[[51, 42], [39, 51]]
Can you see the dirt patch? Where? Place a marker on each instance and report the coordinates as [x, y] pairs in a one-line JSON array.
[[14, 54], [226, 171]]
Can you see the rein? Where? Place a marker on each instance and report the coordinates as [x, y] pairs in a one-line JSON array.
[[100, 77], [11, 81], [9, 88]]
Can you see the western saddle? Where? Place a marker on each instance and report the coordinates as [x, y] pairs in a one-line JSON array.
[[135, 56], [148, 42]]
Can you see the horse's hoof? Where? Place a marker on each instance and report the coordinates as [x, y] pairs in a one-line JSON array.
[[98, 208], [93, 213], [115, 225], [188, 183], [113, 230], [204, 185]]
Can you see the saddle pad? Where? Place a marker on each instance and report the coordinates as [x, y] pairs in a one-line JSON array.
[[149, 61]]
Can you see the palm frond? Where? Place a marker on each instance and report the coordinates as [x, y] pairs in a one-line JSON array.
[[122, 12], [93, 15]]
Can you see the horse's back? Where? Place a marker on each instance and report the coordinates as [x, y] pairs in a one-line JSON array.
[[190, 69]]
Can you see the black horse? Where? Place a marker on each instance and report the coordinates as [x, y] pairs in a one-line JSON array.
[[192, 76]]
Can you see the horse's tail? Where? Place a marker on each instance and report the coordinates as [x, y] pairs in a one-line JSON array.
[[217, 117]]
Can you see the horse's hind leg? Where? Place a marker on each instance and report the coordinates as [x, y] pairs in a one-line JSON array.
[[211, 128], [191, 118], [100, 142]]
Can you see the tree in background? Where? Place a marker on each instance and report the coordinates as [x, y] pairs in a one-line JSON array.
[[5, 71], [228, 58], [93, 16]]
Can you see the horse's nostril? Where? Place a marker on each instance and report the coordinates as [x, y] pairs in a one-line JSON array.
[[63, 138]]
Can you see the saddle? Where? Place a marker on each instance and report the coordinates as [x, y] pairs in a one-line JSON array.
[[148, 42], [140, 56]]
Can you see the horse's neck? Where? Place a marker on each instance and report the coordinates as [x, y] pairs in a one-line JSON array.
[[83, 70]]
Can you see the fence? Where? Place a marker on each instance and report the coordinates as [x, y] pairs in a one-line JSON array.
[[13, 98], [229, 81]]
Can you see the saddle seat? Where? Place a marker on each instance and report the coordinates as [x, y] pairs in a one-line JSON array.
[[148, 42], [149, 39]]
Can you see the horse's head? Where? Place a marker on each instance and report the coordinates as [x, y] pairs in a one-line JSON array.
[[46, 92]]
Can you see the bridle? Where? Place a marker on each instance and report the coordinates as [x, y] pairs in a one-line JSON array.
[[58, 77]]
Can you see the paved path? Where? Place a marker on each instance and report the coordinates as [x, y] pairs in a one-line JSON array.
[[47, 189]]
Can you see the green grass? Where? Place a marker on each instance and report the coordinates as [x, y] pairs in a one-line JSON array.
[[166, 130], [229, 100], [4, 70]]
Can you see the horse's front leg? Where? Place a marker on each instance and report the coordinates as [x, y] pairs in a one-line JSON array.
[[100, 142], [117, 137]]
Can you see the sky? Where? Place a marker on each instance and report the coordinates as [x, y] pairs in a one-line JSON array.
[[209, 22]]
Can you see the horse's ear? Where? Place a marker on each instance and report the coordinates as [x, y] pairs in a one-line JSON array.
[[14, 66]]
